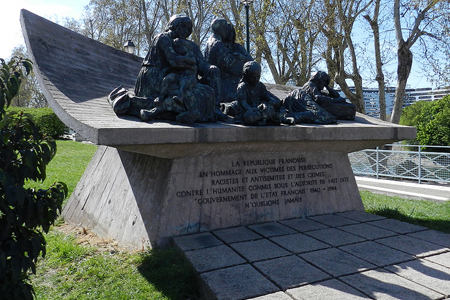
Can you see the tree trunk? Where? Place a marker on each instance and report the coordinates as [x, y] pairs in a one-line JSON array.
[[379, 64], [405, 59]]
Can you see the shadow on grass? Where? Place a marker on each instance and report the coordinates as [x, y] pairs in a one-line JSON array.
[[170, 272], [391, 213]]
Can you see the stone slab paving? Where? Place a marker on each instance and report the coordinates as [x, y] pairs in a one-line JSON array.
[[350, 255]]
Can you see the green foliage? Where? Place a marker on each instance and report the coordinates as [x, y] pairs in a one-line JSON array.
[[68, 165], [432, 120], [49, 124], [410, 113], [25, 213]]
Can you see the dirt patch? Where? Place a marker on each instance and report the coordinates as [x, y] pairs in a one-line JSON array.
[[85, 236]]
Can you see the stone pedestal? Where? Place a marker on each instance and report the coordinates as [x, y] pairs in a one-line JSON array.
[[143, 200]]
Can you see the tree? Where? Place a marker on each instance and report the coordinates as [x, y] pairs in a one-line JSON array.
[[432, 120], [373, 22], [25, 213], [423, 19], [338, 27], [30, 94]]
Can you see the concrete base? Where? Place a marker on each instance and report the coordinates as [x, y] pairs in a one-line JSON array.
[[142, 200]]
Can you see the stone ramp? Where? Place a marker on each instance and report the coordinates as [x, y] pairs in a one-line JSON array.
[[351, 255]]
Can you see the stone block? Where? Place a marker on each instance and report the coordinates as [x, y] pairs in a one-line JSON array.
[[382, 284], [299, 243], [368, 231], [196, 241], [425, 273], [259, 250], [442, 259], [335, 237], [333, 220], [360, 216], [208, 259], [330, 289], [234, 283], [290, 271], [397, 226], [236, 234], [413, 246], [304, 224], [433, 236], [377, 254], [274, 296], [336, 262], [271, 229]]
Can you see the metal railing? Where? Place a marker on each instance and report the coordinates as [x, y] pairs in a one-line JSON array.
[[403, 162]]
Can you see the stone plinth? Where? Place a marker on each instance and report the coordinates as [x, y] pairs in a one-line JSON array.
[[150, 181], [139, 198]]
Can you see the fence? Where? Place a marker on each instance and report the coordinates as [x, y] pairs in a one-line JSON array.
[[404, 162]]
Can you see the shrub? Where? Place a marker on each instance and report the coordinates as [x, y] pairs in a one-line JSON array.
[[25, 213], [49, 124], [432, 120]]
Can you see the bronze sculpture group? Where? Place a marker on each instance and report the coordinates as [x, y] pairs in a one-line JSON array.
[[177, 82]]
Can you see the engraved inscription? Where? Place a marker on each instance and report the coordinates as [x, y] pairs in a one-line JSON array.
[[264, 182]]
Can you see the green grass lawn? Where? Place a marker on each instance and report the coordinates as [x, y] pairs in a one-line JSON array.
[[424, 213], [68, 164], [74, 271]]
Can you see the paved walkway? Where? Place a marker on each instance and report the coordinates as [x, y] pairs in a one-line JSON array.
[[352, 255], [405, 189]]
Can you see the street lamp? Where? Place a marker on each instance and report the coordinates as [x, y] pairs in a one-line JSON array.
[[247, 5], [129, 47]]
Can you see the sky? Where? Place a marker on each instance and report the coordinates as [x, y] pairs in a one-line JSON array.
[[10, 29], [56, 10]]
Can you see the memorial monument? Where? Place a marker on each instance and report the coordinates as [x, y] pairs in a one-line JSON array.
[[150, 181]]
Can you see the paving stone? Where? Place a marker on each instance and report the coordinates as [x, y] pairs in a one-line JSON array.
[[298, 243], [271, 229], [433, 236], [304, 224], [196, 241], [237, 234], [234, 283], [333, 220], [397, 226], [330, 289], [360, 216], [259, 250], [208, 259], [382, 284], [336, 262], [377, 254], [411, 245], [425, 273], [335, 237], [290, 271], [442, 259], [368, 231], [274, 296]]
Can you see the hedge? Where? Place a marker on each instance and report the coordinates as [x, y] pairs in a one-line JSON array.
[[45, 119]]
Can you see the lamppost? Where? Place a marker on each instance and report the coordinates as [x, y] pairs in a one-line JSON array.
[[129, 47], [247, 6]]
